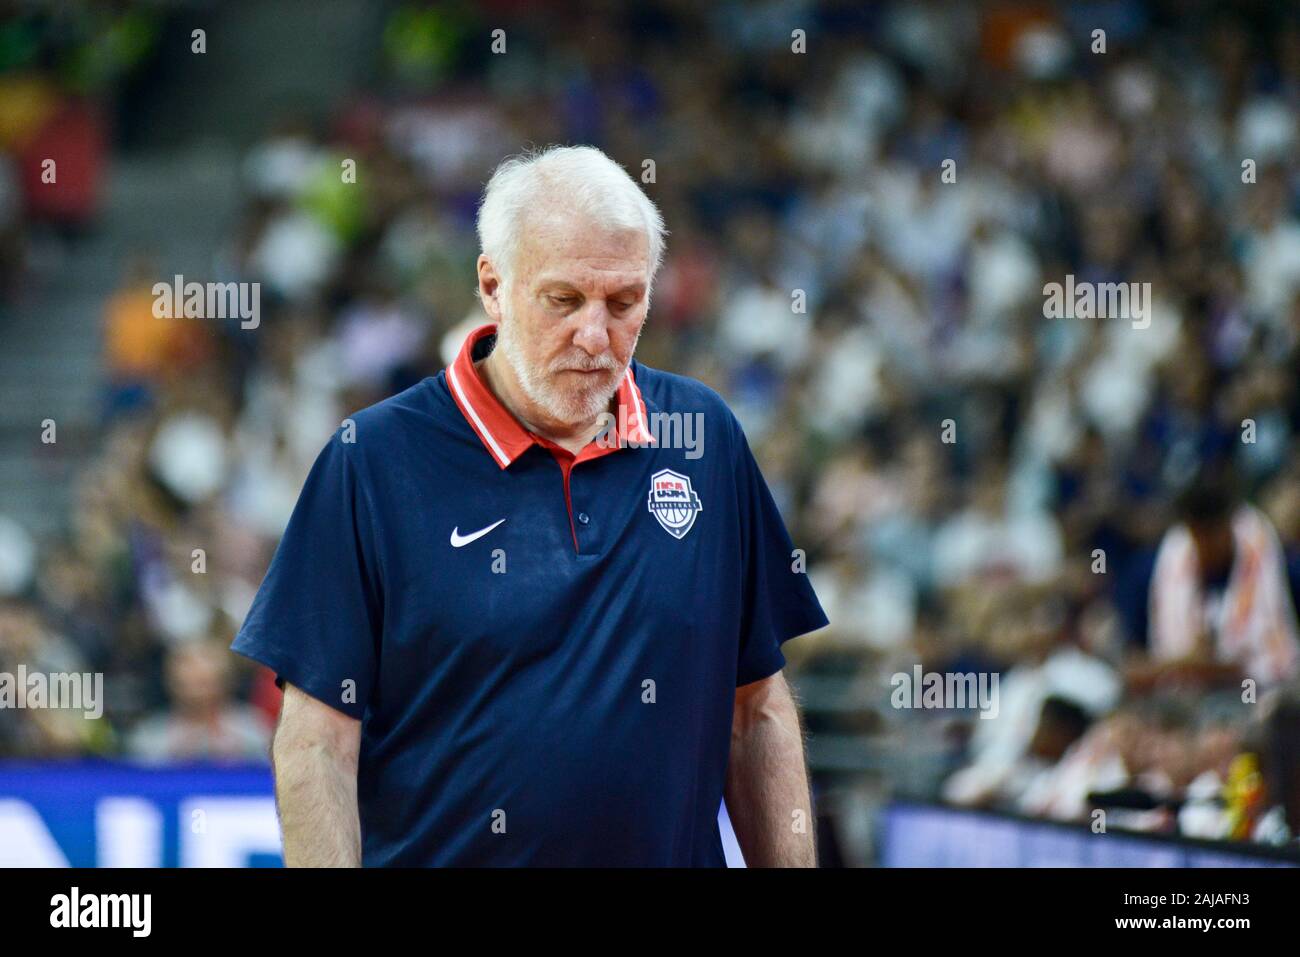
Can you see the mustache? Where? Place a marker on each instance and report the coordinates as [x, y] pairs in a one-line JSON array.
[[587, 364]]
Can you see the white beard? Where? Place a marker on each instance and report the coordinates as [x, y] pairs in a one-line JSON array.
[[571, 407]]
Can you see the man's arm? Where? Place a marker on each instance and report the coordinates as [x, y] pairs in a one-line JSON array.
[[314, 755], [1197, 667], [767, 780]]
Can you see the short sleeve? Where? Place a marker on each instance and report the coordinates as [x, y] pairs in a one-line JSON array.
[[316, 620], [778, 602]]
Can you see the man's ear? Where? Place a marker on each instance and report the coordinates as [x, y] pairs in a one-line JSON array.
[[489, 288]]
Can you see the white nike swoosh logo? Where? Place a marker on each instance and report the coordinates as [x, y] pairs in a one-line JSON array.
[[458, 540]]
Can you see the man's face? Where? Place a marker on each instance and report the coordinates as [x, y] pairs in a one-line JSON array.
[[569, 322], [196, 678]]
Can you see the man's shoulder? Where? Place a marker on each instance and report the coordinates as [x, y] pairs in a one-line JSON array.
[[672, 392], [415, 414], [417, 401], [419, 398], [672, 396]]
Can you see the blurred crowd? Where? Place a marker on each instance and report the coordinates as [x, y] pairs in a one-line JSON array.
[[59, 71], [1105, 515]]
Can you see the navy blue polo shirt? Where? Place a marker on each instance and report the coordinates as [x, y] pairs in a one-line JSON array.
[[543, 648]]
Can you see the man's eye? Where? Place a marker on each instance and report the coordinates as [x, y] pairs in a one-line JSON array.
[[562, 300]]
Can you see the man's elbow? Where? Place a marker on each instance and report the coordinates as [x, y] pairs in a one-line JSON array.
[[309, 729], [760, 702]]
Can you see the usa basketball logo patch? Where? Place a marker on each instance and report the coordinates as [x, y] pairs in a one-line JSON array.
[[673, 502]]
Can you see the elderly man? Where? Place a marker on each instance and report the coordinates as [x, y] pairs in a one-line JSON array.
[[513, 625]]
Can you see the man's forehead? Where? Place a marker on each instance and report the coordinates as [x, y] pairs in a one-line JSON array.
[[612, 275], [597, 257]]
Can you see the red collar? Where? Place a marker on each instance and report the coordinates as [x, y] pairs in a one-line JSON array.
[[502, 434]]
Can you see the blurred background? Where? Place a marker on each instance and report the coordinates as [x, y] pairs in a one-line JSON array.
[[1114, 532]]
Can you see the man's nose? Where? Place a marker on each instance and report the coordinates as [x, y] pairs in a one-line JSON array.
[[592, 336]]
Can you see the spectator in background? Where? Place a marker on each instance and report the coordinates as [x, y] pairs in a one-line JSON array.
[[1047, 699], [26, 640], [141, 350], [205, 722], [1220, 602]]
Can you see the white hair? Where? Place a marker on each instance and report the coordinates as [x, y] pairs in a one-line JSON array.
[[577, 180]]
